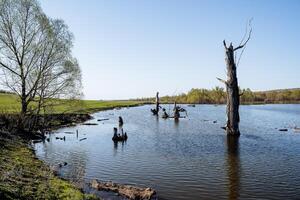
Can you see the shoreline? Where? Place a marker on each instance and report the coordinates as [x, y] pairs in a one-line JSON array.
[[16, 150]]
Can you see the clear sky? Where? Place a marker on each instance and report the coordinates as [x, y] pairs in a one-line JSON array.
[[133, 48]]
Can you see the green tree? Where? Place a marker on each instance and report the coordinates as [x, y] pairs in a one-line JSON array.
[[35, 54]]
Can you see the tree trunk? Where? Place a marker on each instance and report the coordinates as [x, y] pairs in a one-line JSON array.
[[157, 102], [23, 98], [233, 97]]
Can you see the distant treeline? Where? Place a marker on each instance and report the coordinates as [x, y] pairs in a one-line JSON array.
[[5, 92], [217, 95]]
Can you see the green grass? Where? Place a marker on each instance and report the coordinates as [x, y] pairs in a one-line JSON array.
[[23, 176], [10, 103]]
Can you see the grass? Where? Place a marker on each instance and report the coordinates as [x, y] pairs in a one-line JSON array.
[[23, 176], [10, 103]]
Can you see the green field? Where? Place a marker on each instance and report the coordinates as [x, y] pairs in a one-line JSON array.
[[10, 103]]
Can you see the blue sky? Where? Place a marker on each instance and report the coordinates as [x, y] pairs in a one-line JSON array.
[[133, 48]]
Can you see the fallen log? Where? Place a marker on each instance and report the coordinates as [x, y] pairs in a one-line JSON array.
[[191, 105], [82, 139], [90, 124], [69, 132], [99, 120], [283, 129], [131, 192]]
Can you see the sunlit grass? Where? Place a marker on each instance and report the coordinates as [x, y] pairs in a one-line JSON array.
[[10, 103], [23, 176]]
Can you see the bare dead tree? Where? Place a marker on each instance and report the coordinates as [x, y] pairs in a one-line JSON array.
[[157, 102], [156, 109], [232, 88], [35, 55]]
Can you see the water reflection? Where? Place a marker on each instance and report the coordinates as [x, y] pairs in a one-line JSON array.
[[76, 169], [176, 122], [191, 161], [116, 146], [233, 167]]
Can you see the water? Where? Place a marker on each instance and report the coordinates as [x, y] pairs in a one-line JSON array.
[[191, 159]]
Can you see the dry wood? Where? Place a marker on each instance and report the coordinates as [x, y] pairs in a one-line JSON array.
[[131, 192]]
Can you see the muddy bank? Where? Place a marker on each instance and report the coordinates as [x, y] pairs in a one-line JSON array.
[[23, 176], [34, 126]]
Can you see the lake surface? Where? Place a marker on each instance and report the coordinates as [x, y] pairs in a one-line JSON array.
[[191, 159]]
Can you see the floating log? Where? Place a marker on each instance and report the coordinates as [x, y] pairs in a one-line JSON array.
[[69, 132], [90, 124], [105, 119], [82, 139], [283, 129], [191, 105], [129, 191]]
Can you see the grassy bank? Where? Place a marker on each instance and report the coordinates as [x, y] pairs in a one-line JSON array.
[[23, 176], [9, 103]]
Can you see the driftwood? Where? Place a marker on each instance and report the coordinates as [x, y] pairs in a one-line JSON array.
[[131, 192], [283, 129], [82, 139], [69, 132], [90, 124], [99, 120]]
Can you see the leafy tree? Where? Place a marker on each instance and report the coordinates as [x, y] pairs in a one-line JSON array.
[[35, 54]]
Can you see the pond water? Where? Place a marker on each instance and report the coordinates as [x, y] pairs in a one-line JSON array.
[[191, 159]]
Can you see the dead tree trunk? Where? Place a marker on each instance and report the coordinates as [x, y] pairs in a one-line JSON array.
[[156, 109], [232, 89], [157, 102], [233, 97]]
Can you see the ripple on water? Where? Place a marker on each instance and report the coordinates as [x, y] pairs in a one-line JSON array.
[[192, 159]]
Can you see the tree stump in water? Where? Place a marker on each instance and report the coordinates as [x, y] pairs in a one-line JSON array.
[[232, 89], [156, 109], [233, 96]]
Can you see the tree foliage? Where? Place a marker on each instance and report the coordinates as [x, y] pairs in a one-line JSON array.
[[217, 95], [35, 55]]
